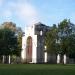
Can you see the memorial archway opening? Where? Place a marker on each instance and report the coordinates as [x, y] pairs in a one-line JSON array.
[[29, 49]]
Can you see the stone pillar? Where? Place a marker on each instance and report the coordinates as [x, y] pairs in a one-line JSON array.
[[34, 49], [9, 59], [23, 52], [58, 58], [45, 57], [3, 60], [65, 59]]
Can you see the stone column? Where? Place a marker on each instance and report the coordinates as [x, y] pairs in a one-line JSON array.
[[9, 59], [3, 60], [45, 57], [58, 58], [65, 59]]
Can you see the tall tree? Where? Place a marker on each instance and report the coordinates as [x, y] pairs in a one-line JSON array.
[[8, 41], [65, 31], [61, 39], [50, 39], [18, 32]]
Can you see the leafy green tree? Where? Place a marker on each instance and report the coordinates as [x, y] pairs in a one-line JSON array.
[[64, 28], [71, 46], [61, 39], [50, 39], [8, 42], [67, 42], [18, 32], [19, 39]]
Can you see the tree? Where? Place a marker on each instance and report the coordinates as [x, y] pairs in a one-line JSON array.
[[50, 39], [19, 39], [67, 36], [8, 41], [15, 42], [18, 32], [64, 28], [61, 39], [71, 46], [9, 25]]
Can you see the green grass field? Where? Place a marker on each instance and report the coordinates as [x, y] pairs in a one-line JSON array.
[[36, 69]]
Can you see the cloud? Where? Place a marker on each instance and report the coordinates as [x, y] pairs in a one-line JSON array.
[[22, 9], [25, 11]]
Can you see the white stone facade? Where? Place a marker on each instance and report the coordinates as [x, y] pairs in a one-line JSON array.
[[37, 33], [29, 32]]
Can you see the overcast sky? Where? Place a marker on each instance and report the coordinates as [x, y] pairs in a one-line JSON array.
[[28, 12]]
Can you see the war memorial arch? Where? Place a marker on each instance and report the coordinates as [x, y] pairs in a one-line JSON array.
[[33, 44]]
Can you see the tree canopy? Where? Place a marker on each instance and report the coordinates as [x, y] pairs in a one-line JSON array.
[[8, 42], [11, 38], [61, 38]]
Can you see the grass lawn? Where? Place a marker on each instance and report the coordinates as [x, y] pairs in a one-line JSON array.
[[36, 69]]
